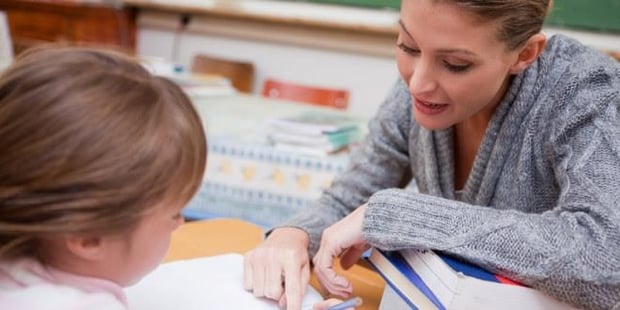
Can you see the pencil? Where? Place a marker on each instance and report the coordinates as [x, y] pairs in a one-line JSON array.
[[350, 303]]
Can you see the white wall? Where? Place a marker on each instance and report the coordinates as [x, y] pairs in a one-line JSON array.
[[600, 40], [368, 78]]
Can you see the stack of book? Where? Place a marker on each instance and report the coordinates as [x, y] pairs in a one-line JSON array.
[[195, 85], [198, 85], [428, 280], [314, 133]]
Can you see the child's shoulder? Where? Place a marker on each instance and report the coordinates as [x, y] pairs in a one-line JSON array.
[[28, 284]]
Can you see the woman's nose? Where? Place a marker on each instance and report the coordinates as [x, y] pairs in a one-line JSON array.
[[422, 80]]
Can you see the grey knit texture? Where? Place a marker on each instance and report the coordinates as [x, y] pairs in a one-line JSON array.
[[542, 202]]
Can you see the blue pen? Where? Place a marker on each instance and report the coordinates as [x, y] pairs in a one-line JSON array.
[[351, 303]]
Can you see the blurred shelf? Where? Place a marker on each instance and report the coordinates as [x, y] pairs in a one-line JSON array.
[[33, 22]]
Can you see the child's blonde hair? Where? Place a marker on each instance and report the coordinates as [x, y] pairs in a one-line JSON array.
[[89, 140]]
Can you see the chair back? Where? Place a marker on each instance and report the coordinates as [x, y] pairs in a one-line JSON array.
[[240, 74], [336, 98], [614, 54]]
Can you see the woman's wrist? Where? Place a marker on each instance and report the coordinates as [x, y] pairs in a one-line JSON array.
[[291, 233]]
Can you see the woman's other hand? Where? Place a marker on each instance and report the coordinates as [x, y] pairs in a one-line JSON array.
[[279, 268], [343, 239]]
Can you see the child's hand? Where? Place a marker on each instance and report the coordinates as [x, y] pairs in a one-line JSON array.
[[323, 305]]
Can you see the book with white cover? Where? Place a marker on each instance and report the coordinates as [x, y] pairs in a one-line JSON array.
[[428, 280], [314, 123], [214, 283], [314, 151], [327, 142], [390, 300]]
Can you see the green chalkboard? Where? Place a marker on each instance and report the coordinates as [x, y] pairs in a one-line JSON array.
[[599, 15], [603, 15]]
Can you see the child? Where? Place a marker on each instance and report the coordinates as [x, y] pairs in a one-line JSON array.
[[98, 158]]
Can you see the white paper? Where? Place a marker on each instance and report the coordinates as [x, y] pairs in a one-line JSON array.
[[203, 283]]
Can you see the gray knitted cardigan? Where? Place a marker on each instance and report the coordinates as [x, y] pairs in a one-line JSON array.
[[542, 202]]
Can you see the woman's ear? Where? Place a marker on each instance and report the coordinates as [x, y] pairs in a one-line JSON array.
[[529, 53], [87, 248]]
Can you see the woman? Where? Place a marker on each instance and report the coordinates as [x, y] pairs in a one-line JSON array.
[[513, 140]]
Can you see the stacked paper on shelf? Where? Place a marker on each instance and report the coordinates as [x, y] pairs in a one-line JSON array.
[[314, 132], [202, 85], [195, 85]]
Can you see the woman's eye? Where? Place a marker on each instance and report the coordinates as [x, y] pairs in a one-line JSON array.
[[407, 49], [456, 68]]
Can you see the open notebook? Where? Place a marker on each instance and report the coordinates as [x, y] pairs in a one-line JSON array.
[[203, 283]]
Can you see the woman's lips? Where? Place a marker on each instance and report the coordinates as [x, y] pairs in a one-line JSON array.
[[429, 108]]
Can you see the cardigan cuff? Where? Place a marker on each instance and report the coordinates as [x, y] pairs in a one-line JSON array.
[[397, 219]]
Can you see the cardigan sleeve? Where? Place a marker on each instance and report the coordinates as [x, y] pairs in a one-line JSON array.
[[572, 250]]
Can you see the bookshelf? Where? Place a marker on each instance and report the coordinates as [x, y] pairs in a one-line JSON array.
[[34, 22]]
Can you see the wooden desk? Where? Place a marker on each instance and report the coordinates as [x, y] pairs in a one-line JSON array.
[[215, 237]]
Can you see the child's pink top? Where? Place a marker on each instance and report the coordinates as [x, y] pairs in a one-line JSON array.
[[27, 284]]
